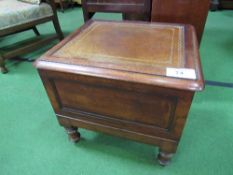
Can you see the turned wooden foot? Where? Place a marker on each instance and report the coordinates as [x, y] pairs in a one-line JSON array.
[[73, 134], [164, 158]]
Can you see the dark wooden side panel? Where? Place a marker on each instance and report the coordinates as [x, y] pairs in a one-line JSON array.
[[131, 9], [182, 11], [118, 5], [226, 4]]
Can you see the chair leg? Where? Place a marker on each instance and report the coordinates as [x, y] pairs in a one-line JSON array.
[[61, 5], [87, 15], [58, 28], [72, 3], [3, 69], [214, 5], [135, 16], [36, 31]]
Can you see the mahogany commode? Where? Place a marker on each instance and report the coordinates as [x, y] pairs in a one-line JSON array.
[[130, 79]]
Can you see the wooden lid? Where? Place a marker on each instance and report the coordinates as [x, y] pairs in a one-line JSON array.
[[153, 53]]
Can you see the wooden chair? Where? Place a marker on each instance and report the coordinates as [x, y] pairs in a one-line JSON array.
[[131, 9], [61, 3], [17, 16]]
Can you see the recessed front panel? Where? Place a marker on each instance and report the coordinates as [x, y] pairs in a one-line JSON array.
[[151, 109]]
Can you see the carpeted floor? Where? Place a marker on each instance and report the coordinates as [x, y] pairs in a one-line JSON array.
[[32, 142]]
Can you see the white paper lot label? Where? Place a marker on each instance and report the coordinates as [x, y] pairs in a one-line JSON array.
[[181, 73]]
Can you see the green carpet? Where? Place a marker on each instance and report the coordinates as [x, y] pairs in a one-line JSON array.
[[32, 142]]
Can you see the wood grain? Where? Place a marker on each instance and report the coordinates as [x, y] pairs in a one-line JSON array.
[[192, 12], [125, 101]]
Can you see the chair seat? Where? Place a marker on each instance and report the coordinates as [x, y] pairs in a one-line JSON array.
[[14, 13]]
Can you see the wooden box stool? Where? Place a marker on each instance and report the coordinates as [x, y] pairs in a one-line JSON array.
[[130, 79]]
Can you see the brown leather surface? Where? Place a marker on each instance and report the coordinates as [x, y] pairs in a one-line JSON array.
[[130, 51], [120, 45]]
